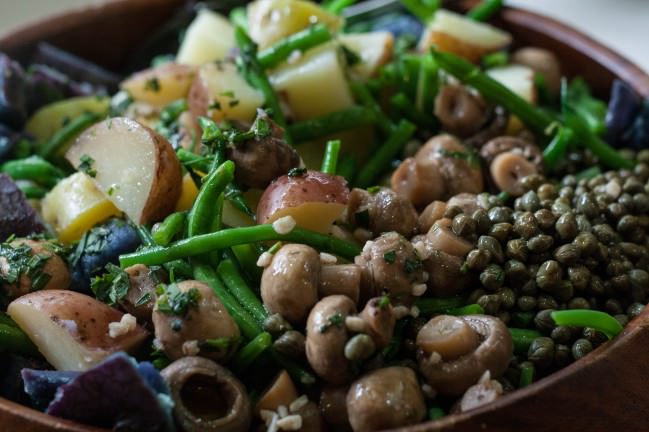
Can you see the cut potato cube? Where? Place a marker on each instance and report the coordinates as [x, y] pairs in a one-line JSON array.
[[517, 78], [70, 329], [161, 85], [220, 92], [457, 34], [74, 206], [188, 194], [315, 84], [135, 167], [50, 118], [272, 20], [374, 50], [208, 38]]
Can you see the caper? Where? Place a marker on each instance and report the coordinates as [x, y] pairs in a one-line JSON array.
[[291, 344], [539, 258], [545, 219], [492, 277], [501, 231], [475, 295], [549, 275], [541, 352], [579, 276], [477, 259], [546, 302], [275, 324], [601, 253], [580, 190], [613, 306], [547, 191], [643, 156], [583, 224], [463, 225], [622, 319], [525, 225], [627, 224], [595, 337], [560, 206], [562, 355], [596, 285], [526, 303], [540, 243], [500, 214], [490, 303], [614, 268], [581, 347], [570, 179], [483, 223], [529, 288], [566, 226], [605, 234], [359, 347], [634, 310], [578, 303], [507, 298], [517, 249], [637, 293], [615, 211], [543, 321], [452, 211], [566, 254], [564, 291], [491, 245], [641, 203], [627, 201], [639, 278], [530, 201], [632, 186], [586, 243], [562, 334], [632, 250], [566, 192], [515, 271]]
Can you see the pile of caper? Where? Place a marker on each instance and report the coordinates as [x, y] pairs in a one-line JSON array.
[[576, 244]]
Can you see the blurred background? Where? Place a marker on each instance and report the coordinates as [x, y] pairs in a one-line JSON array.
[[621, 24]]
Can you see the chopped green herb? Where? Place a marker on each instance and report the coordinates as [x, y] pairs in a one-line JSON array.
[[296, 172], [335, 320], [351, 58], [374, 189], [152, 84], [112, 286], [233, 103], [412, 265], [86, 165], [470, 156], [228, 93], [222, 344], [216, 105], [274, 248], [21, 260], [384, 302], [390, 256], [172, 301], [144, 299]]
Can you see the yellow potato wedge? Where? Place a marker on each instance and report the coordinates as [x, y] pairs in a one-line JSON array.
[[209, 37], [161, 85]]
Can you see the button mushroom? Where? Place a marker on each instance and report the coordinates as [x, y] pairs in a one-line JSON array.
[[456, 351], [342, 279], [460, 111], [441, 237], [207, 397], [333, 406], [431, 214], [446, 277], [526, 149], [140, 298], [544, 63], [326, 336], [479, 395], [289, 285], [508, 169], [190, 320], [443, 167], [390, 266], [381, 211], [385, 398], [379, 321]]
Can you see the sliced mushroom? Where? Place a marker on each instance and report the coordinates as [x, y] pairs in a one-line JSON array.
[[326, 336], [479, 395], [385, 398], [289, 285], [431, 214], [342, 279], [140, 298], [379, 321], [281, 392], [468, 202], [382, 211], [192, 333], [544, 63], [526, 149], [508, 169], [443, 167], [446, 277], [456, 375], [207, 397], [442, 238], [460, 111], [390, 266], [496, 127]]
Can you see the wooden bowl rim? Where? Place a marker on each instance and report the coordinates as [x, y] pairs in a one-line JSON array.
[[617, 64]]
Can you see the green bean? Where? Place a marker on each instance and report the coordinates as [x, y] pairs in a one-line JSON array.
[[403, 103], [390, 352], [363, 95], [436, 413], [33, 168], [499, 58], [235, 196], [527, 376], [522, 319], [432, 306], [13, 339], [301, 41], [6, 320], [492, 90], [66, 133], [177, 267], [331, 123], [251, 351], [522, 339], [557, 147], [165, 231], [238, 17], [347, 167], [484, 10], [32, 191], [588, 173], [244, 320], [330, 160], [229, 237], [297, 372], [240, 290], [389, 150], [471, 309], [337, 6], [408, 67], [418, 9], [428, 85], [203, 211], [247, 257], [255, 74], [600, 321]]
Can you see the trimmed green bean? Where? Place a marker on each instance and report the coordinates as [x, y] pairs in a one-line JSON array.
[[32, 191], [247, 257], [527, 376], [240, 290], [499, 58], [471, 309], [484, 10], [600, 321], [177, 267], [226, 238], [301, 41], [337, 6], [164, 232], [436, 413], [388, 151], [363, 95], [33, 168], [235, 196], [251, 351], [331, 123], [347, 167], [13, 339], [6, 320], [432, 306], [428, 85], [557, 147], [330, 160], [66, 133], [522, 339], [419, 9], [203, 211], [588, 173], [297, 372], [238, 17], [403, 103]]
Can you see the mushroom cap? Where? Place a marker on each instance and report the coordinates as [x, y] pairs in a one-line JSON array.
[[493, 354], [326, 336], [460, 111], [543, 62], [385, 398], [208, 320], [289, 285], [333, 405], [379, 321], [143, 283], [207, 397], [342, 279], [387, 211], [528, 150], [446, 278]]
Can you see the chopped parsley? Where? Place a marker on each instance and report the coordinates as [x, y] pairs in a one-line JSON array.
[[227, 93], [172, 301], [390, 256], [144, 299], [296, 172], [152, 84], [374, 189], [412, 265], [112, 286], [216, 105], [384, 302], [222, 344], [21, 260], [335, 320], [470, 156], [233, 103], [351, 58], [86, 165]]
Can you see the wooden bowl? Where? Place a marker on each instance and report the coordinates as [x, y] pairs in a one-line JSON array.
[[603, 391]]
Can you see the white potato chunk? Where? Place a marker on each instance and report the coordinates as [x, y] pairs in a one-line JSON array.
[[517, 78], [374, 50], [135, 167], [71, 329], [209, 37], [160, 85]]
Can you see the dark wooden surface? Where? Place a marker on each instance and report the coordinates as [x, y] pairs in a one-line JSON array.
[[602, 392]]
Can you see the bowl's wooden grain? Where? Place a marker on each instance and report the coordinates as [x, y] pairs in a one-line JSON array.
[[603, 391]]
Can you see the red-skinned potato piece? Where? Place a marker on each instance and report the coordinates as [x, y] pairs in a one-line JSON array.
[[314, 199]]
